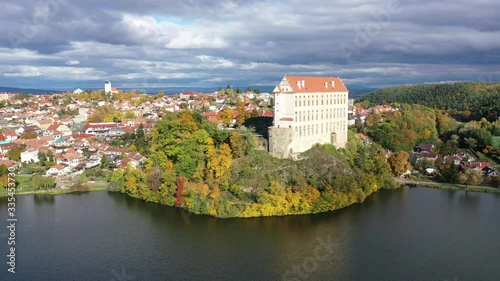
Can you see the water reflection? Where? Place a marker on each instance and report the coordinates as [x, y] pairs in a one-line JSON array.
[[470, 201], [43, 199], [407, 234]]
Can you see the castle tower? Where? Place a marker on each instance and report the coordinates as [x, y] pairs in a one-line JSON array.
[[107, 87]]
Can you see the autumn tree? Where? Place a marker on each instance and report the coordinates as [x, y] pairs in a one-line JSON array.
[[179, 196], [29, 135], [238, 145], [106, 113], [219, 164], [130, 114], [399, 162], [241, 111], [226, 116], [4, 179]]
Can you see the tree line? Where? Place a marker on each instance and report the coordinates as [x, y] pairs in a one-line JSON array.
[[477, 100]]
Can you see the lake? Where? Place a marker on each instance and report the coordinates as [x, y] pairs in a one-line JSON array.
[[406, 234]]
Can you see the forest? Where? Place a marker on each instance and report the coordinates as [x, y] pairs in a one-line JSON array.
[[410, 125], [476, 100], [194, 165]]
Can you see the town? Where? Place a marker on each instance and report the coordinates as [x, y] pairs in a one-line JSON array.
[[76, 139], [60, 136]]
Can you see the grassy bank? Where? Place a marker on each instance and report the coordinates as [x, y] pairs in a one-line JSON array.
[[55, 191], [456, 188]]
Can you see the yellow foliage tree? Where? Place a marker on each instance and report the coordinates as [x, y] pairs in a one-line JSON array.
[[399, 162], [226, 116]]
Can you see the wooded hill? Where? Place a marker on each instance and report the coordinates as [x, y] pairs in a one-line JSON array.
[[194, 165], [479, 98]]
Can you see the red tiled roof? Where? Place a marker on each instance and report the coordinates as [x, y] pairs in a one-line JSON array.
[[54, 126], [82, 136], [58, 167], [266, 113], [429, 154], [316, 84]]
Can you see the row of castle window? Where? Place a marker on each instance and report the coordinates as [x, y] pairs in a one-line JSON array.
[[319, 100], [311, 115], [320, 129]]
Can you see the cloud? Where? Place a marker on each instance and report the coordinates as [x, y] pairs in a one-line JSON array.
[[72, 62], [213, 43]]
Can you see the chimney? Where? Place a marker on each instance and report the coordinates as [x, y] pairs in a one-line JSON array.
[[333, 84], [298, 84]]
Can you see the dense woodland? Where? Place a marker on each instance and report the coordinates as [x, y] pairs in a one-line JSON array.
[[477, 99], [194, 165]]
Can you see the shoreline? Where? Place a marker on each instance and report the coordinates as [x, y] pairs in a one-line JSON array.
[[54, 191], [468, 189], [451, 186]]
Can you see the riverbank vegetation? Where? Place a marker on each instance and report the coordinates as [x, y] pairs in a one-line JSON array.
[[198, 167]]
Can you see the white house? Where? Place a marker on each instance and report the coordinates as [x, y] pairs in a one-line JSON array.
[[307, 111], [58, 170], [30, 156], [78, 91]]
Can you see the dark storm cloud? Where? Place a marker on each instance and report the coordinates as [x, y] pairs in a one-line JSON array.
[[141, 44]]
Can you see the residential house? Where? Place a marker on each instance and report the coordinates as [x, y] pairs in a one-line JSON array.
[[10, 135], [479, 166], [454, 159], [99, 129], [58, 170], [137, 158], [30, 156], [423, 147], [43, 124], [30, 129], [59, 127], [430, 156], [4, 148], [187, 95]]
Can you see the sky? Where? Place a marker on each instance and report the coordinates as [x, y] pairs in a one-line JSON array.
[[69, 44]]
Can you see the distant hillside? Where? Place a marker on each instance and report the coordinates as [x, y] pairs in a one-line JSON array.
[[27, 91], [482, 99]]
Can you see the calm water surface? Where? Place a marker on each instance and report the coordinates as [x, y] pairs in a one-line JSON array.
[[407, 234]]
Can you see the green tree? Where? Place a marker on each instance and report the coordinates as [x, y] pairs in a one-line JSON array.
[[15, 153], [471, 143]]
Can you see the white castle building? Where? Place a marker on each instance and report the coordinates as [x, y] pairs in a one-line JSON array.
[[307, 111]]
